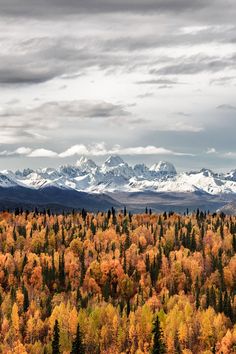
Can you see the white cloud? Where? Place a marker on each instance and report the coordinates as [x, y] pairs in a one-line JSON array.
[[185, 127], [99, 149], [211, 151], [147, 150], [230, 155], [75, 150], [22, 151], [42, 153], [93, 150]]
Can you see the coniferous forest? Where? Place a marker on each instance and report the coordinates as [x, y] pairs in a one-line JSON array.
[[117, 283]]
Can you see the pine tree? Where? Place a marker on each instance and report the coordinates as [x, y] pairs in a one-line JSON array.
[[128, 308], [77, 346], [197, 293], [26, 299], [62, 271], [234, 243], [56, 339], [158, 344]]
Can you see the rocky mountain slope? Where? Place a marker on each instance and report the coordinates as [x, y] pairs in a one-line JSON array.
[[116, 175]]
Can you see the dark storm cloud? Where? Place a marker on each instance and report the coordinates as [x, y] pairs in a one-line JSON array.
[[61, 7], [20, 75], [40, 116], [107, 51], [81, 109], [24, 124], [170, 38], [196, 64], [42, 59]]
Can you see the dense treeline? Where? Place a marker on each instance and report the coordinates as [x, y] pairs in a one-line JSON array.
[[117, 283]]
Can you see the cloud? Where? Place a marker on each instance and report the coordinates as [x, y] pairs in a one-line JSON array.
[[39, 60], [108, 54], [158, 82], [147, 150], [73, 108], [223, 81], [12, 134], [211, 151], [226, 107], [42, 153], [30, 123], [181, 126], [79, 149], [55, 8], [145, 95], [195, 64], [230, 155], [183, 114], [99, 149], [21, 151]]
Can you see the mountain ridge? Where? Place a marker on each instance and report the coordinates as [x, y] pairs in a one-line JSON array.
[[117, 175]]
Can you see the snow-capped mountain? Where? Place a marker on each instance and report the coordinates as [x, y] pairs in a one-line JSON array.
[[116, 175], [164, 168]]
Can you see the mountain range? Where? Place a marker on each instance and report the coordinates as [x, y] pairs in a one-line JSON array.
[[116, 183]]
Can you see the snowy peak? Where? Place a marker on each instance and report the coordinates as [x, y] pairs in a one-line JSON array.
[[116, 172], [6, 180], [231, 175], [141, 170], [117, 175], [113, 161], [85, 164], [24, 173], [164, 167], [207, 173]]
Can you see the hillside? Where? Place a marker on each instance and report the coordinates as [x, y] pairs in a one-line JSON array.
[[113, 273]]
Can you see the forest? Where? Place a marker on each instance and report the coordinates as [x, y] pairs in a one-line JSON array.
[[115, 282]]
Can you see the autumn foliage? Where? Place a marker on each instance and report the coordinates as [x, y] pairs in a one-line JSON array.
[[109, 275]]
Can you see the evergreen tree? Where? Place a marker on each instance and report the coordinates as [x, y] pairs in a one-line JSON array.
[[106, 290], [26, 299], [128, 308], [77, 346], [62, 271], [234, 243], [93, 228], [158, 344], [207, 298], [56, 339], [197, 294], [220, 302]]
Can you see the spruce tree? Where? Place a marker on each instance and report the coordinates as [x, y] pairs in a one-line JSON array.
[[158, 344], [77, 346], [56, 339], [26, 299]]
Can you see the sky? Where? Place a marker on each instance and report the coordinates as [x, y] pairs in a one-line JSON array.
[[149, 80]]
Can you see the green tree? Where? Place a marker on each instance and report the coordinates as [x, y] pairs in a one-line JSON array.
[[56, 339], [158, 343], [77, 346], [26, 299]]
